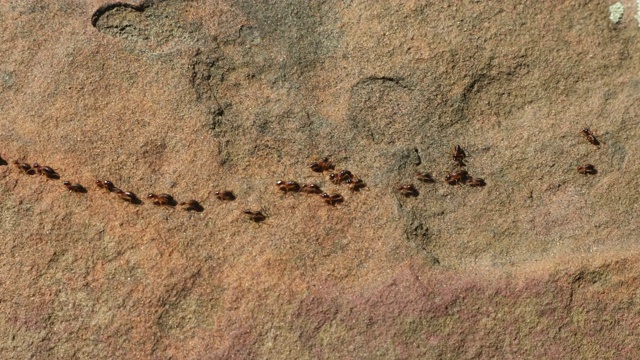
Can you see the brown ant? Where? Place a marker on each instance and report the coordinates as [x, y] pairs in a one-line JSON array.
[[288, 186], [255, 216], [127, 196], [162, 199], [425, 177], [191, 205], [46, 171], [322, 165], [340, 177], [311, 189], [587, 169], [225, 195], [107, 185], [408, 190], [24, 167], [588, 134], [473, 182], [355, 184], [332, 199], [458, 155], [74, 187], [459, 177]]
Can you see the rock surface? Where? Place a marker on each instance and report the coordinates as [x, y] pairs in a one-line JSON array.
[[193, 97]]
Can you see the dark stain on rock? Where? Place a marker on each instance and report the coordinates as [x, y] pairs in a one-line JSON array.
[[104, 9]]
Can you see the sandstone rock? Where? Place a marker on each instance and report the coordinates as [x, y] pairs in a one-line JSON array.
[[191, 97]]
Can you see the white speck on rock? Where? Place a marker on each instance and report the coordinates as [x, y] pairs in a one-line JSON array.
[[616, 11]]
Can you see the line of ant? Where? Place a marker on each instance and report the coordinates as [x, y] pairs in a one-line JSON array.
[[461, 176], [589, 135], [353, 182], [128, 196], [457, 177], [342, 177]]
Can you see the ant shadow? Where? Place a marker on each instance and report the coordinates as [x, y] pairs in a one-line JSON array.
[[410, 194], [3, 162], [172, 202], [134, 199], [81, 189], [194, 206]]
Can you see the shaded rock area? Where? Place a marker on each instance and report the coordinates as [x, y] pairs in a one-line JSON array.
[[194, 97]]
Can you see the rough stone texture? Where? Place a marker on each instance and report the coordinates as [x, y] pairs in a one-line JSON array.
[[191, 97]]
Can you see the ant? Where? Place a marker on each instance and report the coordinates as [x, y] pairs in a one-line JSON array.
[[127, 196], [473, 182], [458, 155], [46, 171], [408, 190], [587, 169], [74, 187], [225, 195], [322, 165], [425, 177], [107, 185], [340, 177], [162, 199], [24, 167], [311, 189], [191, 205], [255, 216], [288, 186], [457, 177], [332, 199], [355, 184], [588, 134]]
